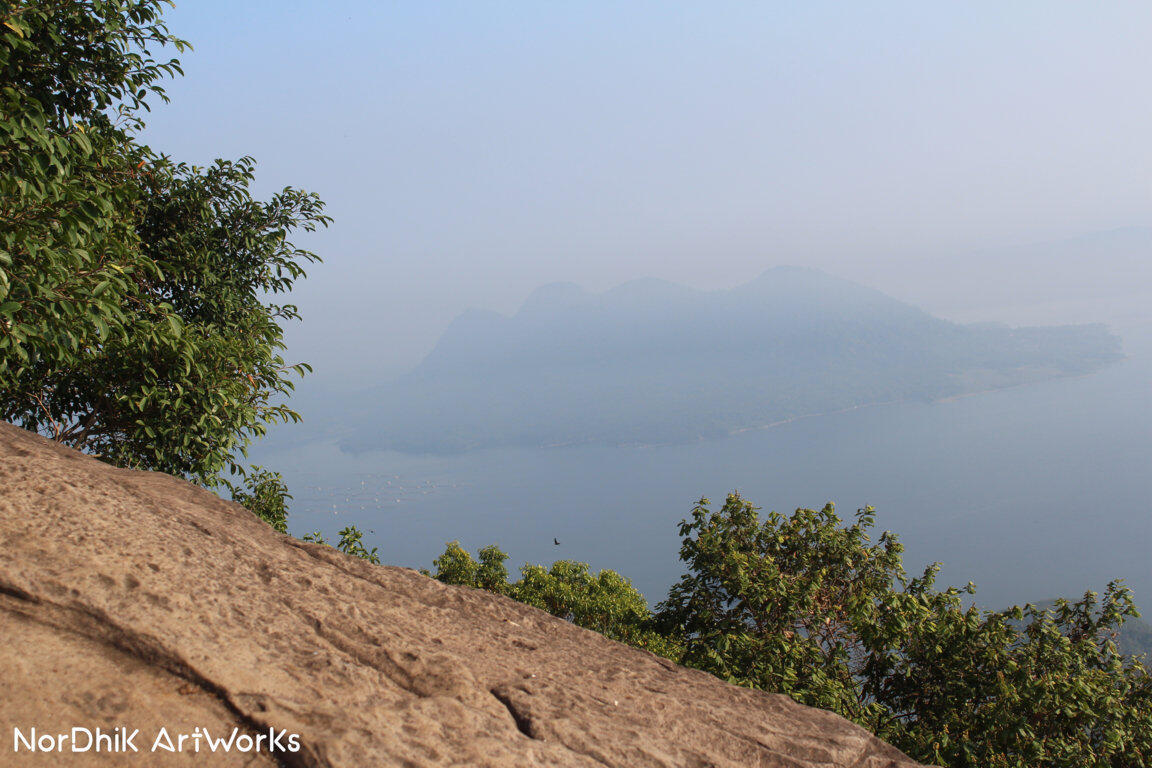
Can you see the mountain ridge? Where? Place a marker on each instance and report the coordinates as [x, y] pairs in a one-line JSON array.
[[651, 361]]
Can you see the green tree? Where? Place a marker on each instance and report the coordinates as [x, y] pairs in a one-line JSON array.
[[456, 566], [780, 605], [491, 573], [805, 606], [1023, 687], [135, 321], [605, 602], [69, 179]]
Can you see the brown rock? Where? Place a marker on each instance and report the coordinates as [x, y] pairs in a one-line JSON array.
[[136, 599]]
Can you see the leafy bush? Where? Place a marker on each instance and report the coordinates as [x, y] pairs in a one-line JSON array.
[[605, 602], [266, 496], [351, 543], [456, 566], [801, 605]]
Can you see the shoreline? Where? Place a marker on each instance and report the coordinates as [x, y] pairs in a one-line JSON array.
[[739, 430]]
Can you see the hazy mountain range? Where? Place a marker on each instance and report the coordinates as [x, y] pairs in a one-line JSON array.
[[654, 362]]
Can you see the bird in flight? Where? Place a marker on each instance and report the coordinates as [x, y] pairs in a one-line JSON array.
[[556, 541]]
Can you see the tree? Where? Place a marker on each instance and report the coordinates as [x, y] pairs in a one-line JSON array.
[[605, 602], [68, 246], [801, 605], [779, 606], [134, 314], [1022, 687]]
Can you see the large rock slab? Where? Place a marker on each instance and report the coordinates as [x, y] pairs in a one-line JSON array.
[[135, 599]]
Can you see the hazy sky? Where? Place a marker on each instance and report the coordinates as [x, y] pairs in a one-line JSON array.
[[471, 151]]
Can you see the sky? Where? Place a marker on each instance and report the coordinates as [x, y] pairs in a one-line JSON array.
[[472, 151]]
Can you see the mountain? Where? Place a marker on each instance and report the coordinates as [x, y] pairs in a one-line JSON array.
[[653, 362], [136, 599]]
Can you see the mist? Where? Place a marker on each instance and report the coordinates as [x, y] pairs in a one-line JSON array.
[[973, 163], [471, 152]]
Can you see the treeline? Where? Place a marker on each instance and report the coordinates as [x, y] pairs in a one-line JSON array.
[[808, 605]]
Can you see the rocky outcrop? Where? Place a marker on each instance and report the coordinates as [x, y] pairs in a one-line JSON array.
[[136, 600]]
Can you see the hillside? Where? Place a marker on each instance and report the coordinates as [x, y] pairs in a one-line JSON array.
[[655, 362], [136, 599]]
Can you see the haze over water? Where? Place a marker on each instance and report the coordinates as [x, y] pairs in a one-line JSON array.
[[470, 152], [983, 161], [1031, 492]]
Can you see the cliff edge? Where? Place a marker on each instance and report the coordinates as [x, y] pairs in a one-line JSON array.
[[137, 600]]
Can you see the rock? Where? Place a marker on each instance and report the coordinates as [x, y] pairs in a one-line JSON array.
[[138, 600]]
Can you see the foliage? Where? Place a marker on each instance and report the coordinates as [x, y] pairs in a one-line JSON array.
[[188, 397], [266, 496], [605, 602], [803, 606], [351, 543], [779, 606], [807, 606], [68, 173], [456, 566], [1134, 638], [133, 322], [970, 689]]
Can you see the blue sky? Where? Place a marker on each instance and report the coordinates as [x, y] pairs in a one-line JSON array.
[[471, 151]]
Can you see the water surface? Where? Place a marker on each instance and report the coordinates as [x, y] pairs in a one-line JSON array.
[[1031, 492]]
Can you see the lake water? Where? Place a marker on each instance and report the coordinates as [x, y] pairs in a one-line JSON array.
[[1032, 492]]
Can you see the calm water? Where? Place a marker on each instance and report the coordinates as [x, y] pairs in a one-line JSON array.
[[1033, 492]]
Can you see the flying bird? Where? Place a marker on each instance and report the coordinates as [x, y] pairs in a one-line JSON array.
[[556, 541]]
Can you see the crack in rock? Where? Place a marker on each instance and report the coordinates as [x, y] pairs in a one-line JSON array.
[[523, 719]]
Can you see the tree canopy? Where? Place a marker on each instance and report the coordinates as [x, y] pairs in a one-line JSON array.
[[135, 320], [804, 605]]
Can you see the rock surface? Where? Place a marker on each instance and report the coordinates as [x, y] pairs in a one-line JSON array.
[[136, 599]]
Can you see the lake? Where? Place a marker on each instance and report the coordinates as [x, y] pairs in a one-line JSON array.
[[1034, 492]]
